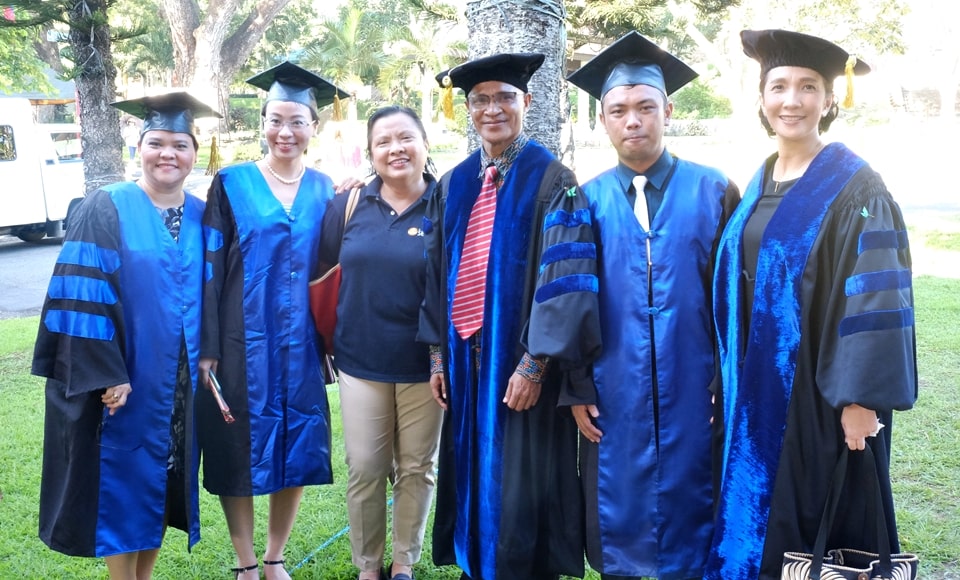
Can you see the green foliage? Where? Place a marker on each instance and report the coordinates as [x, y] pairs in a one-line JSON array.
[[943, 240], [20, 69], [281, 41], [146, 51], [249, 151], [349, 51], [244, 114], [860, 26], [697, 100], [439, 11]]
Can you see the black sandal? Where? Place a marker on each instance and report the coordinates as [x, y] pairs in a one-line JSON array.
[[273, 562], [241, 569]]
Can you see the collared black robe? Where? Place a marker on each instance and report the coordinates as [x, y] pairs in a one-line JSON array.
[[831, 324], [509, 503]]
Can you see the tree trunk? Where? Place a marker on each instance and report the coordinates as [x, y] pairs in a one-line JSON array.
[[428, 84], [494, 28], [183, 17], [96, 76], [207, 54], [48, 51]]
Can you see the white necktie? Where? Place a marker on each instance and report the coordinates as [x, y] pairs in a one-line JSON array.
[[640, 207]]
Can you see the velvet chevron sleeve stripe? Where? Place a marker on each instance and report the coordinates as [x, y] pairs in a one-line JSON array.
[[564, 321]]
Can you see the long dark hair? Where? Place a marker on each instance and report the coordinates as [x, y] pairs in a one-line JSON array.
[[389, 111]]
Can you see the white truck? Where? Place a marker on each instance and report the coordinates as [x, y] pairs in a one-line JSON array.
[[41, 172]]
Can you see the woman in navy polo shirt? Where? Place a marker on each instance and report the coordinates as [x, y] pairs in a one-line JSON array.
[[391, 424]]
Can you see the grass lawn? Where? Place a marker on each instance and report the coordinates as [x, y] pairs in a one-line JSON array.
[[926, 473]]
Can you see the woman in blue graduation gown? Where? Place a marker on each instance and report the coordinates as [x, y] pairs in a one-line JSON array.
[[262, 225], [814, 311], [119, 344]]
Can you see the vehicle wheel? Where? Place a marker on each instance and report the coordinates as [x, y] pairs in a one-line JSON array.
[[34, 236]]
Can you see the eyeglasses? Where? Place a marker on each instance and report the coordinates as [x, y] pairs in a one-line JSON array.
[[502, 100], [295, 125]]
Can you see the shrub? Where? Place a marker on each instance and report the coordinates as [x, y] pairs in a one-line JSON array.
[[698, 101], [244, 114], [249, 151]]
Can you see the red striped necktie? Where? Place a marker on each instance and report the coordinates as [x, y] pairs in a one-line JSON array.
[[467, 314]]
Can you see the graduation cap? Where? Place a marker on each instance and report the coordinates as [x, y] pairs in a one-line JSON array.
[[289, 82], [773, 48], [174, 112], [632, 60], [514, 68]]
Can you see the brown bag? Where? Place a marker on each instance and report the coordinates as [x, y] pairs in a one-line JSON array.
[[325, 290]]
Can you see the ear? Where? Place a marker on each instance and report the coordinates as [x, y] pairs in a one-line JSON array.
[[827, 105], [667, 113], [527, 97]]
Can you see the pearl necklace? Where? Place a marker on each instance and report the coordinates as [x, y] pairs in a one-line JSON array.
[[303, 169]]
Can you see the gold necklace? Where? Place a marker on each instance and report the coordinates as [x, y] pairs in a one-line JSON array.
[[303, 169]]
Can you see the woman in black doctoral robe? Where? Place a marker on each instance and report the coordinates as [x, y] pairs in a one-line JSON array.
[[814, 310]]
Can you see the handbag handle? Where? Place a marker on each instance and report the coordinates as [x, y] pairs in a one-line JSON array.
[[830, 511]]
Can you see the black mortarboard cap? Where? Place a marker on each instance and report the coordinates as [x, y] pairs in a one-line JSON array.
[[632, 60], [289, 82], [773, 48], [512, 68], [172, 112]]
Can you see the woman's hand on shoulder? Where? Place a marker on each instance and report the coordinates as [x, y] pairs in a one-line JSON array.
[[347, 184]]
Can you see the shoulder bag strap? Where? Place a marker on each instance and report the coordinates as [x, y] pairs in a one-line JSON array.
[[351, 204]]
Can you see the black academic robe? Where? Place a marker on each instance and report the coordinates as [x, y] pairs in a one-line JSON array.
[[509, 504], [123, 306], [831, 324]]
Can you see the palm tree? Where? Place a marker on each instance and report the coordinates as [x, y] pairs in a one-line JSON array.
[[348, 52], [419, 51]]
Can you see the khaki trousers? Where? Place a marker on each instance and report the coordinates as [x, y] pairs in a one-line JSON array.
[[390, 431]]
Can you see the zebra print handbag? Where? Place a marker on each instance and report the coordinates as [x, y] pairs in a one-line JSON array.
[[843, 563]]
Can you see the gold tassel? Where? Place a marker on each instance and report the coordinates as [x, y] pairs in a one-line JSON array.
[[446, 99], [848, 72], [337, 107], [214, 164]]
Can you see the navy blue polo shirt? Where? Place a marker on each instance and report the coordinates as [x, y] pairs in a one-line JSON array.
[[383, 281]]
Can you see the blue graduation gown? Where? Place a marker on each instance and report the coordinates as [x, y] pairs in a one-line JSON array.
[[509, 505], [124, 298], [257, 323], [831, 324], [648, 483]]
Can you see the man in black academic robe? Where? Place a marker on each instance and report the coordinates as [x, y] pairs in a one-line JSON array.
[[509, 502]]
